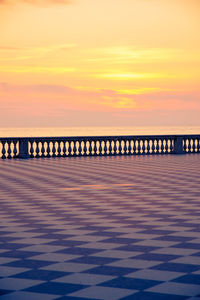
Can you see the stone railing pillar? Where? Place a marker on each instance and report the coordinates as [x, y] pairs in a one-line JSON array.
[[23, 149], [178, 145]]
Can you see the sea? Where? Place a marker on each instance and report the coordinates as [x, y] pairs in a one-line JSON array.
[[97, 131]]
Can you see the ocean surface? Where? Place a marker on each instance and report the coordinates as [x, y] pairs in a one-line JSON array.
[[96, 131]]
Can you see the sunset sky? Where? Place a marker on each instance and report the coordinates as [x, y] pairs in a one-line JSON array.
[[99, 62]]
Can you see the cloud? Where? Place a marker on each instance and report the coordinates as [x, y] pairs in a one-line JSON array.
[[35, 2], [113, 100]]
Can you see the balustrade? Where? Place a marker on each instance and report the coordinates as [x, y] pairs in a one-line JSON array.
[[93, 146]]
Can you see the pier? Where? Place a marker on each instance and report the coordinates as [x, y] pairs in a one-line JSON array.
[[105, 227]]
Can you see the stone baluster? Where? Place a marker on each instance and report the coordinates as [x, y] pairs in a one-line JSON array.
[[9, 151], [3, 150], [143, 146], [184, 145], [74, 148], [167, 145], [59, 148], [53, 148], [162, 145], [84, 147], [48, 150], [90, 147], [189, 145], [79, 148], [37, 150], [95, 147], [110, 147], [42, 149], [69, 148], [134, 147], [105, 147], [194, 145], [139, 147], [31, 149], [120, 147], [148, 146], [14, 149], [153, 146], [171, 145], [114, 147], [125, 147], [64, 148], [198, 145], [157, 146], [100, 147], [129, 147]]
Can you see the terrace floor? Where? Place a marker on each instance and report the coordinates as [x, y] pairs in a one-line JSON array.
[[100, 228]]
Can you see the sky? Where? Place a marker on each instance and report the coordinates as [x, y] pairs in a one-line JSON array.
[[99, 63]]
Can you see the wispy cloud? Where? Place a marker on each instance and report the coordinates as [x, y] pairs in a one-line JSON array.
[[33, 69], [106, 100], [35, 2]]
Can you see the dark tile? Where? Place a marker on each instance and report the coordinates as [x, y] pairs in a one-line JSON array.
[[4, 292], [108, 270], [41, 274], [56, 288], [156, 257], [28, 263], [78, 250], [189, 278], [137, 247], [177, 267], [19, 254], [153, 296], [129, 283], [74, 298], [94, 260]]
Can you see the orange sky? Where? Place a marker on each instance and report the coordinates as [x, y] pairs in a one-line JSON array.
[[91, 62]]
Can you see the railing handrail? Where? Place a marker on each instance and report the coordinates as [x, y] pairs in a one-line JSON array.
[[155, 136]]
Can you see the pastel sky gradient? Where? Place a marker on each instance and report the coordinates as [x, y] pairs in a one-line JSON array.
[[99, 62]]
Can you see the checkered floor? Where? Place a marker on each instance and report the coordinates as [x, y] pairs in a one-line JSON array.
[[100, 228]]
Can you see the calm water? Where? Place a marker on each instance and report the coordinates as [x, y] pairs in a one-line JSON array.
[[94, 131]]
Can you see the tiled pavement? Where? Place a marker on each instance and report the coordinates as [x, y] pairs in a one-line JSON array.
[[100, 228]]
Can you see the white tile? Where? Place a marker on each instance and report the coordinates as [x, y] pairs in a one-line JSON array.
[[6, 260], [84, 278], [101, 245], [69, 267], [103, 293], [32, 241], [139, 236], [158, 275], [175, 251], [17, 284], [9, 271], [117, 253], [134, 263], [19, 295], [191, 260], [56, 257], [176, 288], [156, 243], [87, 238], [43, 248]]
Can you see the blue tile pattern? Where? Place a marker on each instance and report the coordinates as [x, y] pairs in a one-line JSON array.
[[103, 228]]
